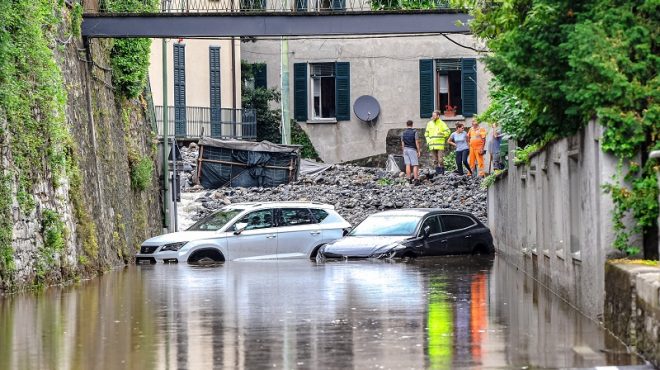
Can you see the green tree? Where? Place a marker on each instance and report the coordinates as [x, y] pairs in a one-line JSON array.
[[261, 99], [559, 64]]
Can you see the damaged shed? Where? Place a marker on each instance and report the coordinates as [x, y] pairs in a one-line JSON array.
[[238, 163]]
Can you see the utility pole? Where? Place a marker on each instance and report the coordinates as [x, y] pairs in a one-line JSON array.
[[284, 88], [166, 165]]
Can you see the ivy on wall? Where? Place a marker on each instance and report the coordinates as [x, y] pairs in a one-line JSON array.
[[559, 64], [130, 57], [32, 104]]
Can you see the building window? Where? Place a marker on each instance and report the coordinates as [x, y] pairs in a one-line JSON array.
[[323, 90], [322, 77], [448, 88], [448, 82]]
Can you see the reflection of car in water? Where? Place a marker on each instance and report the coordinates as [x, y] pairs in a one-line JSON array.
[[306, 315], [412, 233], [266, 230]]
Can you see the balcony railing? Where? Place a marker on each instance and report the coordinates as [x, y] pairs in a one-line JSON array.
[[263, 6], [195, 122]]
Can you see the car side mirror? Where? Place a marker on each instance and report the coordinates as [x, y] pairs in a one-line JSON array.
[[427, 231], [239, 227]]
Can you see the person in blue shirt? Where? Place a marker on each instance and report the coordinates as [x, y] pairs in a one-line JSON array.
[[458, 139], [410, 147]]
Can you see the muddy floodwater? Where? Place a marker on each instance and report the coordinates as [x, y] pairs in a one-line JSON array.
[[471, 312]]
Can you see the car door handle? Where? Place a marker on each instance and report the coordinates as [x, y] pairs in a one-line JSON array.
[[270, 236], [443, 241], [315, 232], [468, 236]]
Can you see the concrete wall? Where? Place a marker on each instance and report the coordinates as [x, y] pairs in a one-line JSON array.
[[197, 72], [386, 68], [632, 307], [552, 219]]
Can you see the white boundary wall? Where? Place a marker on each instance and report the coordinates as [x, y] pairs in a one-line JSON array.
[[552, 219]]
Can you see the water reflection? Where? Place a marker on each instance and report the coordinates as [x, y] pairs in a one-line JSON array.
[[433, 313]]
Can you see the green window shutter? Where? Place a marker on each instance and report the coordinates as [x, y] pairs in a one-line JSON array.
[[426, 88], [342, 91], [300, 91], [180, 90], [338, 4], [260, 77], [301, 5], [469, 86], [216, 90]]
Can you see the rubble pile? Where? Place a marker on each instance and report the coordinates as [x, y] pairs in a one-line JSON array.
[[356, 192]]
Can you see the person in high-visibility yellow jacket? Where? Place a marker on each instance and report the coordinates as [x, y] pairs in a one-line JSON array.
[[436, 135], [477, 139]]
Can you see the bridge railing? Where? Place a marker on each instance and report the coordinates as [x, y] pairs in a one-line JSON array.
[[195, 122], [261, 6]]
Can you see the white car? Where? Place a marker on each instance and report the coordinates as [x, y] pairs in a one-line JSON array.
[[269, 230]]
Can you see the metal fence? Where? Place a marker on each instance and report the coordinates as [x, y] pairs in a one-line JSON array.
[[264, 6], [195, 122]]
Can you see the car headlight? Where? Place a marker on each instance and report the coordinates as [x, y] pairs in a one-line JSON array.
[[172, 247]]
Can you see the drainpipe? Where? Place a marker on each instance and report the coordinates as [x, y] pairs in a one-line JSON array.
[[166, 174], [284, 88], [233, 87]]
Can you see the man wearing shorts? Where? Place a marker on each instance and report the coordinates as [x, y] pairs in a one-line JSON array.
[[410, 147]]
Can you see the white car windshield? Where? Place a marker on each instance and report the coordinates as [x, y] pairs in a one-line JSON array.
[[215, 221], [387, 226]]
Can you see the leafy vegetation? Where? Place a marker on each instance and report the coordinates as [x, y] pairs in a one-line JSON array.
[[141, 169], [76, 19], [32, 97], [32, 101], [384, 181], [522, 155], [54, 234], [558, 65], [259, 98], [450, 161], [7, 265], [299, 137], [409, 4], [490, 179], [130, 57]]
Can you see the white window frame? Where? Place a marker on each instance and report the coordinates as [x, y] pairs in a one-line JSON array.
[[311, 92]]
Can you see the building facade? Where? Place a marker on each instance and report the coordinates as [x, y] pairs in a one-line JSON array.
[[409, 76], [203, 87]]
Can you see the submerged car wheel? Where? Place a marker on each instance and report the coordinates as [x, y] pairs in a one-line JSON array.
[[206, 256], [315, 252]]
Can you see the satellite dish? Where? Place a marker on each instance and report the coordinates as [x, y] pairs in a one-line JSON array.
[[366, 108]]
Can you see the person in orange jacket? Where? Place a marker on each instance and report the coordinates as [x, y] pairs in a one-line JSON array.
[[477, 139]]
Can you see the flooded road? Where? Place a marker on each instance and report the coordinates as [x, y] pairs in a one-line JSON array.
[[472, 312]]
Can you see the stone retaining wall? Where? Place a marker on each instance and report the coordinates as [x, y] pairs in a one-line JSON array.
[[632, 306]]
